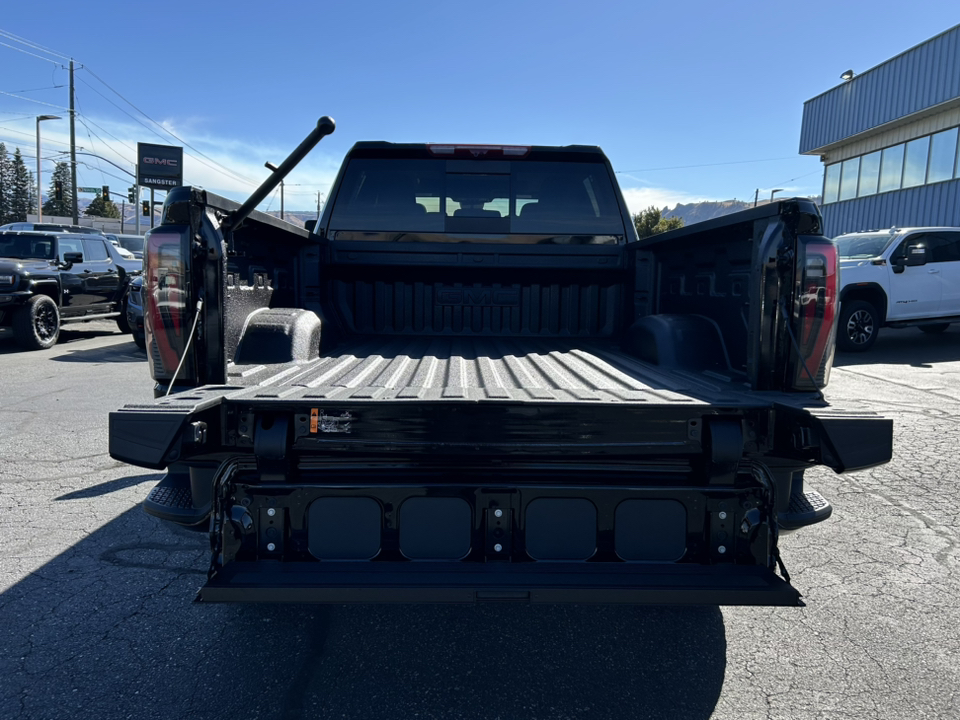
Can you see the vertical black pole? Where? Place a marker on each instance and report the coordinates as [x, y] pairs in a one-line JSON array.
[[151, 207], [73, 152]]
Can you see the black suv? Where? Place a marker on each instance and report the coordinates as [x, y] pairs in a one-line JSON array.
[[47, 279]]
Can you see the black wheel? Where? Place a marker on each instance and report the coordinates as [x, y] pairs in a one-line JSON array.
[[36, 326], [934, 329], [858, 326], [140, 340], [122, 320]]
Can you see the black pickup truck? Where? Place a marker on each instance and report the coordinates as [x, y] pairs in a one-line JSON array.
[[51, 278], [470, 381]]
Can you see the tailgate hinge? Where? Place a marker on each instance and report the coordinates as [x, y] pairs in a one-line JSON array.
[[270, 442], [723, 440]]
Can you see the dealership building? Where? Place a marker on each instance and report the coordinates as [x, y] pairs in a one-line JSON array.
[[888, 139]]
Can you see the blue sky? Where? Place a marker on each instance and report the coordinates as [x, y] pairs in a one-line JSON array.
[[657, 85]]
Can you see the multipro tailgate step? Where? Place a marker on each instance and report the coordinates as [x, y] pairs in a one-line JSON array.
[[412, 582], [806, 508], [172, 499]]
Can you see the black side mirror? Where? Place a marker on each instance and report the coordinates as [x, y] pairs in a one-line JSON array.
[[310, 225], [72, 257], [916, 255]]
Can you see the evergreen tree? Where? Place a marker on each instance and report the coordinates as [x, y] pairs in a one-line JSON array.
[[102, 207], [651, 222], [22, 194], [64, 206], [6, 186]]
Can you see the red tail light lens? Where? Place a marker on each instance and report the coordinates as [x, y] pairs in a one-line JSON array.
[[816, 314], [166, 296]]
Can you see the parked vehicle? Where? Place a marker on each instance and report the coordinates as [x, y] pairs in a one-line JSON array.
[[134, 305], [122, 251], [471, 382], [131, 243], [902, 277], [49, 227], [48, 279]]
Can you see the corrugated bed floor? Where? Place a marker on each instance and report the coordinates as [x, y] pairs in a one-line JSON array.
[[485, 369]]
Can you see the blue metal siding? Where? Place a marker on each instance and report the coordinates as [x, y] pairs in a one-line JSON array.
[[937, 204], [922, 77]]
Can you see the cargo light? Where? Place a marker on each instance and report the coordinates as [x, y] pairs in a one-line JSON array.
[[816, 314], [479, 150]]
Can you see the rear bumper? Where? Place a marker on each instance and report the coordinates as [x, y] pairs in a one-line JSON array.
[[623, 583]]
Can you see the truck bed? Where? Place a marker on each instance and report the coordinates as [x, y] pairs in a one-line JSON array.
[[524, 370]]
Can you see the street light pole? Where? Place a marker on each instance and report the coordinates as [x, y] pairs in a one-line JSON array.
[[271, 166], [40, 118], [775, 191]]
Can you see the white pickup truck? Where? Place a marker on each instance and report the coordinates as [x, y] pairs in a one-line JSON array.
[[902, 277]]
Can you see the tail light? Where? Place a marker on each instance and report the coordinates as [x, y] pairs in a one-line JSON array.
[[166, 295], [815, 314]]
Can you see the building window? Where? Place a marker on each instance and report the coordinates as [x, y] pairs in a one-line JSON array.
[[928, 159], [848, 178], [869, 173], [831, 183], [915, 165], [891, 168], [943, 153]]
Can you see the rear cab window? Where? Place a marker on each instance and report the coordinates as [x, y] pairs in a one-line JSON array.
[[450, 198], [94, 250]]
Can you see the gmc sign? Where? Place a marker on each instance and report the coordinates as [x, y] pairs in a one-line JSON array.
[[159, 166]]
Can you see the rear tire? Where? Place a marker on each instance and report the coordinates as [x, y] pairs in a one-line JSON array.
[[934, 329], [858, 326], [36, 325], [122, 320], [140, 341]]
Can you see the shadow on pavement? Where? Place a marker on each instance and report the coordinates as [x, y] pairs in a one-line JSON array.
[[908, 346], [107, 629], [111, 486], [126, 351]]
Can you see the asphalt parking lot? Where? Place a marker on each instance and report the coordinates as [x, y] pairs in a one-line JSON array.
[[96, 618]]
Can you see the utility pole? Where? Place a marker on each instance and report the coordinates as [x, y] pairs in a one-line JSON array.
[[73, 151], [756, 196], [318, 205]]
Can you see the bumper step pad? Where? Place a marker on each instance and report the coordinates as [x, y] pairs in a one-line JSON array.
[[806, 508], [550, 582], [172, 500]]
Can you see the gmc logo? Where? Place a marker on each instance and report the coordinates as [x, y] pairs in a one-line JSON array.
[[160, 161], [479, 297]]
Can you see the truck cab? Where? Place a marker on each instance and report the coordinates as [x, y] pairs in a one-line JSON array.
[[898, 278]]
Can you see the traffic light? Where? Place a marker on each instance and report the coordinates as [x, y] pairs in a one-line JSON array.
[[146, 207], [106, 192], [131, 194], [58, 190]]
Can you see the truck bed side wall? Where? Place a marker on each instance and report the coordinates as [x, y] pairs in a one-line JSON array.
[[714, 273]]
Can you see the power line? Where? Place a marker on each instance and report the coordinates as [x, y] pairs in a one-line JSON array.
[[25, 52], [33, 136], [143, 124], [23, 41], [39, 102], [48, 87], [107, 132], [170, 132]]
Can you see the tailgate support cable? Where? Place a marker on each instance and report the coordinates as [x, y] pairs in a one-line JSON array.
[[186, 348], [796, 347]]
